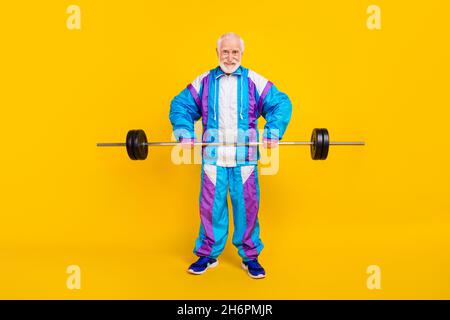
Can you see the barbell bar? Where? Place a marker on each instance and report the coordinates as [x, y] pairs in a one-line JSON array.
[[137, 144]]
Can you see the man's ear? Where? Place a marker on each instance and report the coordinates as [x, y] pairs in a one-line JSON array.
[[217, 51]]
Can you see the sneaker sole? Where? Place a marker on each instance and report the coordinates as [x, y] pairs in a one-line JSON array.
[[259, 276], [212, 265]]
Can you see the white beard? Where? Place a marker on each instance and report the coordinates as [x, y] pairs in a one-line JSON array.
[[229, 70]]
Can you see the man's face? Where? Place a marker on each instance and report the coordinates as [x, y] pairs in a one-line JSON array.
[[229, 54]]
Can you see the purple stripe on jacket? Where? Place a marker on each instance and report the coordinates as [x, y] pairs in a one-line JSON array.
[[263, 95], [204, 102], [194, 94], [252, 115]]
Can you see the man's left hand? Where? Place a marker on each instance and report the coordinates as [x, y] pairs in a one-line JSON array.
[[270, 143]]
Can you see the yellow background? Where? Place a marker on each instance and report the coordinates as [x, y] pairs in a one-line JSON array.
[[131, 226]]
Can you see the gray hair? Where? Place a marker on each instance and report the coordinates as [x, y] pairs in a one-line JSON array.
[[230, 35]]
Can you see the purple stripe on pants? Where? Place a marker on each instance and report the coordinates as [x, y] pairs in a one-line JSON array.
[[206, 208], [251, 213]]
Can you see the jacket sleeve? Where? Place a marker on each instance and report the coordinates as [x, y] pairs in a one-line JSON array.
[[184, 112], [277, 111]]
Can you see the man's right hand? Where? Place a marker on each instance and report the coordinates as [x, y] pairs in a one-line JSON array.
[[187, 143]]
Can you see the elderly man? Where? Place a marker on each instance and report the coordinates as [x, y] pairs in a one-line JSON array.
[[229, 99]]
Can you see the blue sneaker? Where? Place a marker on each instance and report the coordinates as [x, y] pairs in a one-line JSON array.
[[254, 269], [202, 264]]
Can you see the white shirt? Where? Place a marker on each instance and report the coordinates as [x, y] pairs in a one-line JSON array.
[[228, 122]]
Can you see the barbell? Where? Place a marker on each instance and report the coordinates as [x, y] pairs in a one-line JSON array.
[[137, 145]]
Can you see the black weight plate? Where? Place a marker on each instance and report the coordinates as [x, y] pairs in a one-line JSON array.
[[326, 144], [144, 144], [129, 143], [319, 144], [141, 150], [135, 148], [316, 147], [313, 145]]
